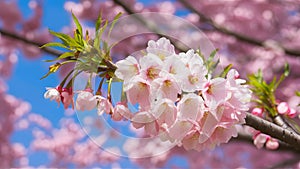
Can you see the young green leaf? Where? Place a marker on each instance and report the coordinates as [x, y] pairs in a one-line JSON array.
[[212, 55], [78, 37], [62, 56], [78, 25], [297, 93], [283, 76], [226, 70], [98, 22], [286, 70], [67, 40], [54, 44], [116, 18]]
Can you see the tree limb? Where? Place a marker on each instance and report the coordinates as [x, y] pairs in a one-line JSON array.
[[247, 138], [15, 36], [151, 26], [229, 32], [275, 131]]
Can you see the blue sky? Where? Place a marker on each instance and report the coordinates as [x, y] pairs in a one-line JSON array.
[[27, 72], [25, 82]]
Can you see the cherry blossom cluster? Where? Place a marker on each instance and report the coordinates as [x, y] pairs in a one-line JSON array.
[[179, 100]]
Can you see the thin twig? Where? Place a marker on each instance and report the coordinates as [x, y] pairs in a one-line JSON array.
[[238, 36]]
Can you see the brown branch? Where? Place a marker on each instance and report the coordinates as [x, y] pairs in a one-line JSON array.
[[247, 138], [275, 131], [229, 32], [20, 38], [151, 26]]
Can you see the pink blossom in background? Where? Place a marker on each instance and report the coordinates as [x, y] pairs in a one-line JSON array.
[[65, 144]]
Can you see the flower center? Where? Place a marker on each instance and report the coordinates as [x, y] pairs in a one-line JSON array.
[[167, 83], [193, 79], [152, 73]]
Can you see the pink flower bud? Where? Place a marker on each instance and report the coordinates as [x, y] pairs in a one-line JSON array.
[[260, 140], [257, 111], [292, 113], [283, 108], [272, 144], [67, 97]]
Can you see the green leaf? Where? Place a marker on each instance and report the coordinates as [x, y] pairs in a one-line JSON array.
[[54, 44], [273, 83], [66, 54], [109, 88], [259, 76], [78, 37], [198, 51], [297, 93], [214, 65], [116, 18], [97, 41], [98, 22], [286, 69], [226, 70], [62, 56], [78, 26], [212, 55], [284, 75], [68, 61], [67, 40], [101, 30]]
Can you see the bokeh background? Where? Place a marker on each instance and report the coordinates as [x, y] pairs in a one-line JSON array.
[[34, 132]]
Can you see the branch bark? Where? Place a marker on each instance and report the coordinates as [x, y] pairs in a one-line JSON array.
[[151, 26], [275, 131], [247, 138], [20, 38], [229, 32]]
